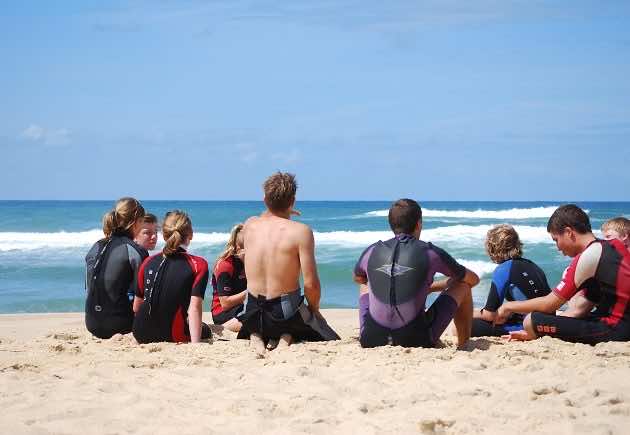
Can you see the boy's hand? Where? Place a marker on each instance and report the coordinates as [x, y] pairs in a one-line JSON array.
[[502, 315]]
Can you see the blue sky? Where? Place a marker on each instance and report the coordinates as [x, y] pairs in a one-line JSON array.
[[435, 100]]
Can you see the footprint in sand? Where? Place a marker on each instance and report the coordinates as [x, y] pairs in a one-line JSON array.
[[435, 426]]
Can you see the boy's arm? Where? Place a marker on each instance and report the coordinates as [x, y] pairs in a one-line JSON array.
[[543, 304], [312, 286]]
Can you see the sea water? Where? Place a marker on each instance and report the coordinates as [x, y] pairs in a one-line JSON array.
[[43, 243]]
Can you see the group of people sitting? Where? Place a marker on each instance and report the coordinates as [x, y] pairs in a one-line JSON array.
[[160, 297]]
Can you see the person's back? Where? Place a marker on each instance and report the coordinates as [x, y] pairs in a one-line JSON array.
[[277, 250], [111, 271], [514, 279], [399, 274], [169, 298], [273, 255]]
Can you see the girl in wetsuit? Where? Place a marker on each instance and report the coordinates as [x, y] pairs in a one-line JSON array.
[[229, 284], [514, 279], [169, 298], [111, 270]]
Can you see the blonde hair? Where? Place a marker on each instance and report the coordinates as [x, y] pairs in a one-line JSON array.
[[620, 224], [176, 229], [503, 243], [234, 243], [120, 220]]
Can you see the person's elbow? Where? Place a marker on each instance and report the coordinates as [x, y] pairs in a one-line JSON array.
[[471, 278]]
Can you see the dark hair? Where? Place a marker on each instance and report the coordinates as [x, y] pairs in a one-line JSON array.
[[404, 214], [149, 218], [569, 215], [280, 191]]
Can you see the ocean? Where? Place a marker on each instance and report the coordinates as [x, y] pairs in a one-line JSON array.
[[43, 243]]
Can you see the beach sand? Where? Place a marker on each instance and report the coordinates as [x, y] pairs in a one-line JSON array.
[[56, 378]]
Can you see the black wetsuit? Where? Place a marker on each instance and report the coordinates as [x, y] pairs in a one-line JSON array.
[[111, 271], [517, 279], [168, 283], [228, 279]]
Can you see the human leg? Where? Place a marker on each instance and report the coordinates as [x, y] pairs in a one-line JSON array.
[[462, 295]]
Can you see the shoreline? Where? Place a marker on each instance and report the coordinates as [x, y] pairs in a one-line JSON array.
[[57, 378]]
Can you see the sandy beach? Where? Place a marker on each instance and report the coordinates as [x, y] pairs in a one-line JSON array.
[[56, 378]]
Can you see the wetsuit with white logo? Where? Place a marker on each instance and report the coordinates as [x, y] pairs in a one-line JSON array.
[[517, 279], [399, 273], [166, 284], [111, 270], [603, 271]]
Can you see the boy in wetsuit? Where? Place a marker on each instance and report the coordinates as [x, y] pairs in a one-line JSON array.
[[600, 267], [617, 228], [146, 232], [399, 274], [515, 278]]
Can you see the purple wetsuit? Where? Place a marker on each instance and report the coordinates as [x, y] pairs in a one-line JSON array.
[[399, 273]]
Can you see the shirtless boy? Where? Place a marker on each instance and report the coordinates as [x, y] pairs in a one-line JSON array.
[[278, 250]]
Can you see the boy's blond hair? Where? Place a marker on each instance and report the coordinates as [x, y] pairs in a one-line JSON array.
[[503, 243], [620, 224]]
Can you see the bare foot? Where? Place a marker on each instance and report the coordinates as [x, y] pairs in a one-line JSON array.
[[256, 341], [272, 344], [285, 341]]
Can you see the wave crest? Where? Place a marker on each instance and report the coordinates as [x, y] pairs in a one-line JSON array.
[[513, 213]]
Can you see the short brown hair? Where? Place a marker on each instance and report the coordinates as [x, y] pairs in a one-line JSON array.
[[403, 216], [280, 191], [503, 243], [569, 215], [149, 218], [619, 224]]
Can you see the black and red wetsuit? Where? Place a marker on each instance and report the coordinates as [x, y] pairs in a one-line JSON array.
[[603, 271], [166, 284], [228, 279]]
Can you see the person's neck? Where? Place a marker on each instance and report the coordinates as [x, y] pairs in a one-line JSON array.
[[286, 214], [584, 240]]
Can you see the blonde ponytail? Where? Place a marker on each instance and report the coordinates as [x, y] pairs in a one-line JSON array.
[[127, 211], [233, 245], [176, 229]]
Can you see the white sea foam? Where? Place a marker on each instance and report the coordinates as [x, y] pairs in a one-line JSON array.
[[460, 235], [481, 268], [513, 213]]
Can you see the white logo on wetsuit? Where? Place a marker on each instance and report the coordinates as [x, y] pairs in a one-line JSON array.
[[398, 269]]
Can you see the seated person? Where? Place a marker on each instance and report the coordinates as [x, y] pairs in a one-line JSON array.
[[278, 250], [146, 232], [399, 274], [169, 299], [229, 284], [514, 279], [616, 228], [600, 267], [111, 271]]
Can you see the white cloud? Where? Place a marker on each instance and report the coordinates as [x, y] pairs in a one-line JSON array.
[[53, 137], [291, 156]]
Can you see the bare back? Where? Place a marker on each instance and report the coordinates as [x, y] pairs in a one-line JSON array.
[[277, 250]]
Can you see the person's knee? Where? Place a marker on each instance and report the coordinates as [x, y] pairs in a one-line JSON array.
[[459, 291]]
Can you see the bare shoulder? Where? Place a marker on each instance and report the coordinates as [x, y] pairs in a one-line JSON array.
[[302, 232]]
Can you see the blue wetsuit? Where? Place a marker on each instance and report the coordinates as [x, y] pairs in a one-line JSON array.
[[517, 279]]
